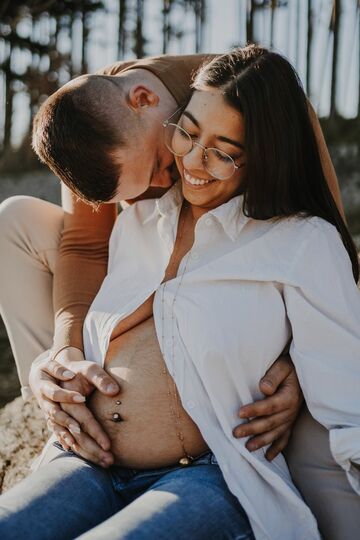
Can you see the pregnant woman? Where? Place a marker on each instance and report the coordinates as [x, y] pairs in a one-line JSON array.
[[244, 255]]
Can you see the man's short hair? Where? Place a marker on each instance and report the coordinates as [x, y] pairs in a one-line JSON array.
[[76, 132]]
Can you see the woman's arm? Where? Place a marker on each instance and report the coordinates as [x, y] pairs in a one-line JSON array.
[[323, 306]]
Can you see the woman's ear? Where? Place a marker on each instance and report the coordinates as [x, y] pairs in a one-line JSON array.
[[141, 96]]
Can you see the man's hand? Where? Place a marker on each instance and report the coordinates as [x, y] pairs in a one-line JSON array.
[[79, 378], [271, 419]]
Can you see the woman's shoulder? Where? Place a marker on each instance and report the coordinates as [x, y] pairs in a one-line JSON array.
[[319, 249], [307, 229]]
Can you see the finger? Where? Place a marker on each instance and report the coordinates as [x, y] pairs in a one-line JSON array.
[[65, 420], [87, 448], [263, 407], [263, 424], [87, 422], [278, 446], [99, 378], [266, 438], [58, 371], [63, 436], [276, 374], [53, 392], [49, 408]]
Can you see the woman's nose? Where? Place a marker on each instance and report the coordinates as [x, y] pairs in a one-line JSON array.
[[195, 158]]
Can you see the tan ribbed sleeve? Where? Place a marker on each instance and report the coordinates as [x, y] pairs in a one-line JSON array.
[[81, 266]]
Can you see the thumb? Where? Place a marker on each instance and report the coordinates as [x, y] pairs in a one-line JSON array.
[[275, 375]]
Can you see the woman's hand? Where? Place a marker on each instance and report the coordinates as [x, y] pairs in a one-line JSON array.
[[271, 419], [67, 381]]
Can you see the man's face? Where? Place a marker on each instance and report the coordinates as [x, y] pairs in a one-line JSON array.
[[145, 162]]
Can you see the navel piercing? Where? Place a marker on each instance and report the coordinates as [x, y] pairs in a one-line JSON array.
[[116, 417]]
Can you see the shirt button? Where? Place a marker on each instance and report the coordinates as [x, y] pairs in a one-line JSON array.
[[208, 222], [194, 256], [191, 404]]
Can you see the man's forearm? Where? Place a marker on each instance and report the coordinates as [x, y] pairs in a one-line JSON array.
[[77, 280], [81, 266]]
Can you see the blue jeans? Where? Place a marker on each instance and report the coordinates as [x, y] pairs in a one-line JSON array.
[[70, 496]]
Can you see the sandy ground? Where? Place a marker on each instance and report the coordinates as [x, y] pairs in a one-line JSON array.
[[23, 435]]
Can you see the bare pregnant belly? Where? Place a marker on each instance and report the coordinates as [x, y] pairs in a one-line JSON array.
[[147, 435]]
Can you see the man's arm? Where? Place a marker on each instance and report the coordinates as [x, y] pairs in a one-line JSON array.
[[327, 165], [81, 266]]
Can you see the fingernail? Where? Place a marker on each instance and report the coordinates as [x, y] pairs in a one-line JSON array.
[[253, 447], [68, 373], [242, 414], [266, 382], [111, 387], [74, 429], [239, 433], [68, 441], [79, 399]]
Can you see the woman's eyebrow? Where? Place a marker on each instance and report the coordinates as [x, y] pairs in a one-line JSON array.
[[220, 137]]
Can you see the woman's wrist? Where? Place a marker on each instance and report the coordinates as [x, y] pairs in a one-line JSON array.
[[68, 352]]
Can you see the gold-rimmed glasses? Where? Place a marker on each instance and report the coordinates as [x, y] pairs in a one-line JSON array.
[[216, 162]]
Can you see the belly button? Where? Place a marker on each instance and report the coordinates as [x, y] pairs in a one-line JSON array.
[[116, 417]]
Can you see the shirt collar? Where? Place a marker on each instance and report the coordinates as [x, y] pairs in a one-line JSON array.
[[230, 215]]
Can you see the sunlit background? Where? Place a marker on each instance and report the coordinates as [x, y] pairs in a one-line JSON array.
[[45, 43]]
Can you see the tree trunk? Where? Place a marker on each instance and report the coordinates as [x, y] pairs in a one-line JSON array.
[[250, 21], [139, 38], [334, 27], [9, 96], [122, 33], [308, 47]]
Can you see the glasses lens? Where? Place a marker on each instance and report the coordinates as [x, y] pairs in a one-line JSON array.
[[177, 140], [219, 164]]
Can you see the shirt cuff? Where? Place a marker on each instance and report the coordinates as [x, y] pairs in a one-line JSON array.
[[345, 448], [26, 393]]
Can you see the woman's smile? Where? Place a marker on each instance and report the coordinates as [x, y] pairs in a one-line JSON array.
[[194, 181]]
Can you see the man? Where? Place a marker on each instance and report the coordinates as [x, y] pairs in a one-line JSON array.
[[102, 136]]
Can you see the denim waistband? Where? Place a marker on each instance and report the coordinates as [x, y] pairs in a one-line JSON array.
[[122, 475], [207, 458]]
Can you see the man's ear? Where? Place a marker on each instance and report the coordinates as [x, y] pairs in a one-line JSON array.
[[141, 96]]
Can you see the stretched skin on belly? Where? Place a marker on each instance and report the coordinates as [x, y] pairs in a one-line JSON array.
[[146, 437]]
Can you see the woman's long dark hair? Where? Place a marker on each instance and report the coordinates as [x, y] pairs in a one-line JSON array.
[[284, 172]]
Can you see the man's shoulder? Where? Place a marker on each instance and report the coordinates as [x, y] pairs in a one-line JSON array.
[[161, 62]]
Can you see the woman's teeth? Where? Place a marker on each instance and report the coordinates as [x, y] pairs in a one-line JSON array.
[[195, 181]]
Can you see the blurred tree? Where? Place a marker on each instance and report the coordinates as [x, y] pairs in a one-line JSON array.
[[121, 47], [33, 27], [334, 29], [308, 46]]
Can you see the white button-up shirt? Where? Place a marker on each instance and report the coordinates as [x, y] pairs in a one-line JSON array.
[[249, 287]]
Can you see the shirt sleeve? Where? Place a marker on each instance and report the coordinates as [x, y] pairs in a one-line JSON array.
[[81, 266], [323, 307]]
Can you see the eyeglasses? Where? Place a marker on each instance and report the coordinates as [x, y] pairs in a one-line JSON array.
[[217, 163]]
